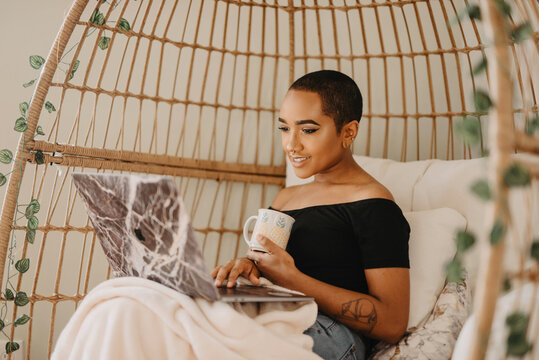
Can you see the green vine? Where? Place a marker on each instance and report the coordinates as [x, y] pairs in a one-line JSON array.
[[514, 176], [20, 298]]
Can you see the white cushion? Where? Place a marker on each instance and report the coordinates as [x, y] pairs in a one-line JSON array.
[[437, 336], [448, 183], [431, 246]]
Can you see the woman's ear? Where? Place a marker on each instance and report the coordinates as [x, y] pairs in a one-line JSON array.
[[349, 132]]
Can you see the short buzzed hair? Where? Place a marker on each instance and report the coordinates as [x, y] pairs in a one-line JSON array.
[[340, 95]]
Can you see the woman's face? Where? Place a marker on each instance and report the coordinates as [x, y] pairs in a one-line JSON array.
[[309, 136]]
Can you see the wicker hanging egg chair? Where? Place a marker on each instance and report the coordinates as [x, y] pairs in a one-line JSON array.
[[191, 89]]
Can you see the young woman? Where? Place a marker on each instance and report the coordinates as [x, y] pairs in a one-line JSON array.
[[349, 245]]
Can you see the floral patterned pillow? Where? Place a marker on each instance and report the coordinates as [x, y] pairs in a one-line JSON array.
[[436, 338]]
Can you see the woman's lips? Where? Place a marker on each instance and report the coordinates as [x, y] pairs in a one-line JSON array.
[[299, 161]]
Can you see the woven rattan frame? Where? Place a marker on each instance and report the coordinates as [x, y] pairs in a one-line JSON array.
[[413, 70]]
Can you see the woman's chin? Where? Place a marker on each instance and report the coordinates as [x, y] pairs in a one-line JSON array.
[[302, 173]]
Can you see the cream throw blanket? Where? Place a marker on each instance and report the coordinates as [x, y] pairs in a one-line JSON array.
[[134, 318]]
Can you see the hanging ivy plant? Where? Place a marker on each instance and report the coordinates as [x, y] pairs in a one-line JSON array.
[[20, 298], [514, 176]]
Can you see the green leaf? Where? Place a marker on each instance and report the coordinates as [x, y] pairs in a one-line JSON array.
[[2, 325], [464, 240], [497, 232], [504, 7], [21, 299], [454, 271], [39, 157], [29, 211], [124, 25], [517, 321], [6, 156], [482, 101], [469, 130], [20, 125], [507, 284], [22, 265], [11, 347], [39, 130], [482, 190], [522, 32], [517, 345], [473, 12], [75, 67], [9, 294], [97, 17], [532, 125], [23, 107], [49, 107], [29, 83], [2, 179], [104, 42], [36, 61], [516, 175], [23, 319], [480, 66], [31, 236], [534, 250], [36, 205], [33, 223], [94, 16]]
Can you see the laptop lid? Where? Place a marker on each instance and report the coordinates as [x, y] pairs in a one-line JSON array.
[[145, 230]]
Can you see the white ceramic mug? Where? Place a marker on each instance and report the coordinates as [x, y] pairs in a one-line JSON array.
[[272, 224]]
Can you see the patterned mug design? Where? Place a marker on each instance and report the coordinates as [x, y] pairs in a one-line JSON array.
[[272, 224]]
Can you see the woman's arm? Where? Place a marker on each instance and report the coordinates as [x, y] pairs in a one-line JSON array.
[[383, 314]]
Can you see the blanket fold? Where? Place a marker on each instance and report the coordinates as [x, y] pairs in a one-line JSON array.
[[135, 318]]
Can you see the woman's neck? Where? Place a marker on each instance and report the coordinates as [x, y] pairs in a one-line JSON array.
[[346, 170]]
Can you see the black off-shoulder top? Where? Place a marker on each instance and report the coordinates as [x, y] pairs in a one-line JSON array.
[[335, 243]]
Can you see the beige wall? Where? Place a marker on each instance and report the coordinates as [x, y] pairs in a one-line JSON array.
[[29, 27]]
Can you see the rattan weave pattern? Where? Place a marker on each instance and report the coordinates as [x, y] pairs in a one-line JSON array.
[[193, 89]]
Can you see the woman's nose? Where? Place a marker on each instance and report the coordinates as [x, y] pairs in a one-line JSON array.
[[293, 143]]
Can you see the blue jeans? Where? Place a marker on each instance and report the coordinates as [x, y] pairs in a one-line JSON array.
[[335, 341]]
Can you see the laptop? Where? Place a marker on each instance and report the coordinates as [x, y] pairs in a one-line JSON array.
[[145, 231]]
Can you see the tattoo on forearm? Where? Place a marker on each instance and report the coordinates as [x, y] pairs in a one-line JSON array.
[[361, 310]]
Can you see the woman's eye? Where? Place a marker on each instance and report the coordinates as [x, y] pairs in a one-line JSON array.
[[309, 131], [283, 128]]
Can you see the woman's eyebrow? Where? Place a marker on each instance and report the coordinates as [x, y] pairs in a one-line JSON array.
[[301, 122]]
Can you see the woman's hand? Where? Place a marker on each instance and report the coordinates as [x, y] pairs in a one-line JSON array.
[[277, 265], [234, 268]]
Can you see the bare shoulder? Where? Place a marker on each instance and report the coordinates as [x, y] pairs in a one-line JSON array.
[[284, 196], [374, 189]]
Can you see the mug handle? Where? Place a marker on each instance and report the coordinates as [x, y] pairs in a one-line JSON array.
[[246, 228]]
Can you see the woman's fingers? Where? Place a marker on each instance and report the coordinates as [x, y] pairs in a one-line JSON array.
[[255, 256], [231, 271], [254, 277], [222, 274], [215, 271], [269, 245], [236, 271]]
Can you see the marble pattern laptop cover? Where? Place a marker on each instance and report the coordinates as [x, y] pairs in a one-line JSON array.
[[145, 230]]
